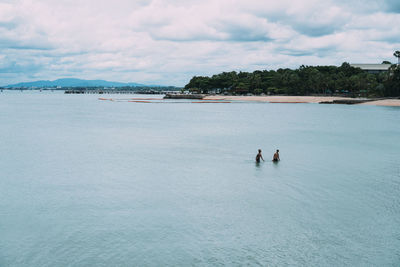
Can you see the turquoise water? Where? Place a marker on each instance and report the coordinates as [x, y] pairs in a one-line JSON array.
[[85, 182]]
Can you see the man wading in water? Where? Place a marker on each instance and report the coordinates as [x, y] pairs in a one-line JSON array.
[[259, 156], [276, 156]]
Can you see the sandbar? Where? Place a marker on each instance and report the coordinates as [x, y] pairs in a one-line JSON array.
[[299, 99], [384, 102]]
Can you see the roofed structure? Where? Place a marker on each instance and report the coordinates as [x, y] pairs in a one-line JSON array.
[[372, 68]]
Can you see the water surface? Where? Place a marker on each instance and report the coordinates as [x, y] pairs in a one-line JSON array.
[[85, 182]]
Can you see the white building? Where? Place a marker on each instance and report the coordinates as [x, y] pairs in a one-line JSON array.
[[372, 68]]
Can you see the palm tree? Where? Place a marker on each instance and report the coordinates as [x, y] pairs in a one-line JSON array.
[[397, 54]]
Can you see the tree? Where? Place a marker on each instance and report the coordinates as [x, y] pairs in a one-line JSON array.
[[305, 80], [392, 85], [397, 54]]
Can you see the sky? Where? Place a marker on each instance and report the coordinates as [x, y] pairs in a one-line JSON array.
[[168, 42]]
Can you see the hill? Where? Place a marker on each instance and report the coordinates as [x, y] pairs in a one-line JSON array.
[[72, 82]]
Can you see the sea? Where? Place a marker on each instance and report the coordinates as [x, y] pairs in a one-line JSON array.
[[90, 182]]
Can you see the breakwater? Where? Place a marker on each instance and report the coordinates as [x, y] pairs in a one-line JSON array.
[[183, 96], [347, 101]]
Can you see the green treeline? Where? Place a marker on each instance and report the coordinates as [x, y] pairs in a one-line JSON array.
[[306, 80]]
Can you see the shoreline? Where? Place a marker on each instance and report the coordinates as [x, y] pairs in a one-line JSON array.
[[302, 99]]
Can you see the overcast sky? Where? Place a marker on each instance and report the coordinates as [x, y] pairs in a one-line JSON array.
[[168, 42]]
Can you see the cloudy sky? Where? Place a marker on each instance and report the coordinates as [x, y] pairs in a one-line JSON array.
[[168, 42]]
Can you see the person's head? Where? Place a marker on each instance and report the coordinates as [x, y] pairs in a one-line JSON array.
[[277, 150], [259, 151]]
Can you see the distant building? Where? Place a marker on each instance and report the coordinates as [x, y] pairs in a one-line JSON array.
[[372, 68]]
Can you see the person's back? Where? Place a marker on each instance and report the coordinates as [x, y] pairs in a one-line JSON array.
[[276, 156], [259, 156]]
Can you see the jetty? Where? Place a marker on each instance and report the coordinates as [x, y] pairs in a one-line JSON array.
[[115, 91]]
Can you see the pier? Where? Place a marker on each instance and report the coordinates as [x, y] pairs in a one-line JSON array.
[[116, 91]]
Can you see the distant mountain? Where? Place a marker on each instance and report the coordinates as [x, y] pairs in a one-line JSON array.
[[72, 82]]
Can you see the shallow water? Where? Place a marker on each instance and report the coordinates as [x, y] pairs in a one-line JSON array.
[[85, 182]]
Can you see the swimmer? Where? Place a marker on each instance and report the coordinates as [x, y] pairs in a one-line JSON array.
[[276, 156], [259, 156]]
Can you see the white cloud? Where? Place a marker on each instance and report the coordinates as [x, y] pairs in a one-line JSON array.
[[167, 42]]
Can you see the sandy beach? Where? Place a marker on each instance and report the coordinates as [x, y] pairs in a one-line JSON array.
[[299, 99], [384, 102]]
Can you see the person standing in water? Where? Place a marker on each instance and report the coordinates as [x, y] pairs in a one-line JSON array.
[[276, 156], [259, 156]]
